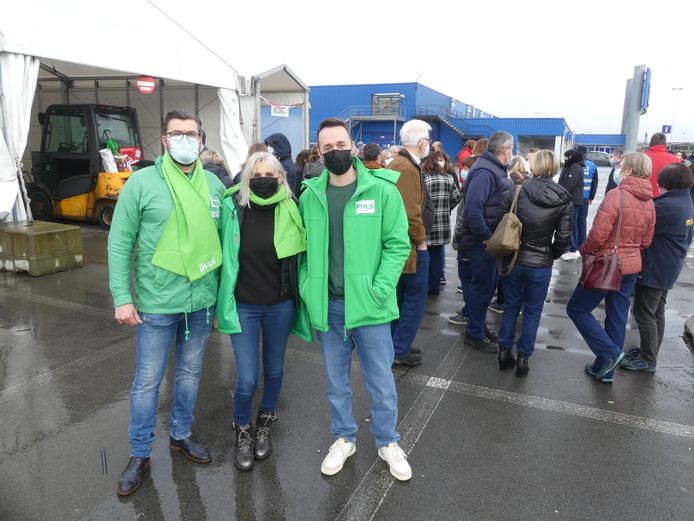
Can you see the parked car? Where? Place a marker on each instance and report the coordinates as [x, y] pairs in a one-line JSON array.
[[600, 158]]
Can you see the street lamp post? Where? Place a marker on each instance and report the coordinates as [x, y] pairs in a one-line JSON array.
[[675, 90]]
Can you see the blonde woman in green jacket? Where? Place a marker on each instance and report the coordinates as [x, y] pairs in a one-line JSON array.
[[262, 235], [357, 244]]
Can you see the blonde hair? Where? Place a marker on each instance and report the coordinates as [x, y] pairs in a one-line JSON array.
[[386, 154], [268, 159], [639, 164], [519, 166], [544, 164]]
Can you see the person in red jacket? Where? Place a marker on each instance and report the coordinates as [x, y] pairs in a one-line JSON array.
[[660, 157], [465, 152], [634, 198]]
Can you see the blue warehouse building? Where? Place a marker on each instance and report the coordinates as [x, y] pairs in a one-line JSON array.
[[601, 142], [375, 113]]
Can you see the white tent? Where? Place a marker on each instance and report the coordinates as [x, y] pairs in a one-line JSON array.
[[86, 50], [277, 102]]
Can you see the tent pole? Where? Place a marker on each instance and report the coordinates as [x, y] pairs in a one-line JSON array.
[[161, 111]]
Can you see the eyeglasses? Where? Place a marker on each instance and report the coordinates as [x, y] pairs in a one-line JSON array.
[[177, 135]]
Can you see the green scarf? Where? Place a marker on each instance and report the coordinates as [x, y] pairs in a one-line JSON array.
[[189, 245], [290, 235]]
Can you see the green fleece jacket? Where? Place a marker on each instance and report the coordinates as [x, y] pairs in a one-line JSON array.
[[143, 209], [376, 247]]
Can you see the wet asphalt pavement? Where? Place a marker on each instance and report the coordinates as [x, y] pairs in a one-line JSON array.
[[483, 445]]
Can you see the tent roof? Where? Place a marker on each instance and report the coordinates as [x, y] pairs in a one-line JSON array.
[[280, 79], [87, 40]]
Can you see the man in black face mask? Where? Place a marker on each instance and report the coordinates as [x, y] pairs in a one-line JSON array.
[[355, 218], [412, 287]]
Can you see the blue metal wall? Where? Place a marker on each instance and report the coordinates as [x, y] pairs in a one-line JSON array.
[[616, 140], [335, 100]]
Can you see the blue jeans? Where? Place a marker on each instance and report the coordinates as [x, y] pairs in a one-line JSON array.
[[581, 223], [524, 288], [412, 299], [606, 342], [479, 282], [573, 244], [275, 321], [375, 350], [153, 341], [436, 258]]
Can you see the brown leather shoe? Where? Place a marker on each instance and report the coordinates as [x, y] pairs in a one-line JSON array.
[[131, 477]]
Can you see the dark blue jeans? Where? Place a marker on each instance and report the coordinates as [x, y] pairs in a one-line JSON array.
[[479, 275], [275, 321], [436, 258], [153, 341], [573, 245], [524, 288], [581, 223], [606, 342], [464, 310], [412, 298]]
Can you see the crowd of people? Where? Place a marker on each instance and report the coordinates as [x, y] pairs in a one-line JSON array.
[[348, 244]]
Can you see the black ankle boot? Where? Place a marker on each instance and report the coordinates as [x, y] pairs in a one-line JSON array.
[[522, 365], [506, 360], [243, 453], [263, 445]]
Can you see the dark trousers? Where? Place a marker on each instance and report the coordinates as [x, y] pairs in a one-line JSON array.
[[649, 312], [412, 299], [574, 233], [479, 282], [524, 288], [436, 258], [464, 310], [581, 223], [605, 342]]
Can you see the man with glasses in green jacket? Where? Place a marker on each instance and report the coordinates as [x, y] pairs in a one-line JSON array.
[[171, 211]]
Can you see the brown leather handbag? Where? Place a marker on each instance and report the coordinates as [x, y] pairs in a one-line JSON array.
[[506, 239], [604, 272]]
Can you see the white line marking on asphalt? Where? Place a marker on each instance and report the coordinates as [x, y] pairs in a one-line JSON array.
[[367, 498], [546, 404]]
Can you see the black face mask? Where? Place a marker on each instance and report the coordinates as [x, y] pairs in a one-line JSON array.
[[264, 187], [338, 162]]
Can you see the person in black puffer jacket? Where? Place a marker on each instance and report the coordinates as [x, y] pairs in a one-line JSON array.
[[546, 211], [571, 178]]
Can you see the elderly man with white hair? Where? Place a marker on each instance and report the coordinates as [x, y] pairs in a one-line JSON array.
[[412, 287]]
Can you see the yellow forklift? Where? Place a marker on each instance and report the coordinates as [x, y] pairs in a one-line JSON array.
[[67, 177]]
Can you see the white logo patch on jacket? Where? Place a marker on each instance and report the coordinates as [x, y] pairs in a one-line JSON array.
[[366, 206]]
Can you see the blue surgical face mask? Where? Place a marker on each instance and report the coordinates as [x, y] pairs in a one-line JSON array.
[[184, 152], [464, 174], [617, 176]]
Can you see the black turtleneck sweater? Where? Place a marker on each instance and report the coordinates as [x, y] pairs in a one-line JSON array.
[[260, 271]]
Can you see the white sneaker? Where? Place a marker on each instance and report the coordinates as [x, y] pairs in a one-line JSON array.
[[570, 255], [396, 459], [337, 455]]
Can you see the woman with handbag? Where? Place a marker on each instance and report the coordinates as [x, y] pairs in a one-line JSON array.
[[611, 255], [545, 211]]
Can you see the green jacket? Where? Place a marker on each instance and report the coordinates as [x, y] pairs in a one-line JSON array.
[[143, 209], [227, 316], [376, 247]]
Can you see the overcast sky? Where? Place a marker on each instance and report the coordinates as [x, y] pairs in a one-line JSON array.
[[528, 58]]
